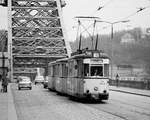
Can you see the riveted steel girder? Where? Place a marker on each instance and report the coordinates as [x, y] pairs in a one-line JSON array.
[[3, 41], [38, 32]]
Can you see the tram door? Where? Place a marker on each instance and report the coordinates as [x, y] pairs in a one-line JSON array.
[[80, 74]]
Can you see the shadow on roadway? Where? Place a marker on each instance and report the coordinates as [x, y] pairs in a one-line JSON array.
[[74, 99], [87, 101]]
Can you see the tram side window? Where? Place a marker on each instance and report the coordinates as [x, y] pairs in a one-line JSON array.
[[78, 69], [54, 73], [86, 69], [70, 67], [96, 70], [64, 70], [50, 69], [58, 69], [106, 70]]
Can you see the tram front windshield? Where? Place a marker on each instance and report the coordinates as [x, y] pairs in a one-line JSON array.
[[96, 71], [93, 70]]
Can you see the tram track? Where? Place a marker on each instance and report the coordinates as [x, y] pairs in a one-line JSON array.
[[88, 108], [121, 110], [106, 111], [123, 106], [118, 108], [137, 107], [130, 104], [113, 109], [114, 114]]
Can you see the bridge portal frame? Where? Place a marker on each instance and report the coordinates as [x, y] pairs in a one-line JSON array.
[[36, 31]]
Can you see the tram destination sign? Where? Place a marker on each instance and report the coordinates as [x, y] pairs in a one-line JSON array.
[[96, 61]]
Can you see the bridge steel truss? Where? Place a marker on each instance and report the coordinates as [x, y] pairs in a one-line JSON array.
[[37, 33]]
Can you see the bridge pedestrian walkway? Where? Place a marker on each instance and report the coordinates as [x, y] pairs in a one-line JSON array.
[[130, 90], [7, 107], [3, 105]]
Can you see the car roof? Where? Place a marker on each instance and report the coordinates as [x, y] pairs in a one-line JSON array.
[[39, 76], [24, 77]]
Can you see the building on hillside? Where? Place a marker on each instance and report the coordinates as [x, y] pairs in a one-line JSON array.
[[127, 38], [130, 73], [125, 72], [145, 32]]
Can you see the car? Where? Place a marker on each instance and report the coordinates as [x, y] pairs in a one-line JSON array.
[[39, 79], [24, 82], [45, 83]]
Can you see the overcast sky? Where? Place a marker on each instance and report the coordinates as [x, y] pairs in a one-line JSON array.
[[113, 10]]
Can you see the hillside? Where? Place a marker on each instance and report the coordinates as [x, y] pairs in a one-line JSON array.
[[135, 54]]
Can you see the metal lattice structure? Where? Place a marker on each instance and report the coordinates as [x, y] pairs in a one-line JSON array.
[[3, 41], [38, 33]]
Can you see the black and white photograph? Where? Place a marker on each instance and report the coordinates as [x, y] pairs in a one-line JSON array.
[[74, 59]]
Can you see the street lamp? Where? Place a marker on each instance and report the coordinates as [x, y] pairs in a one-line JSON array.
[[111, 38]]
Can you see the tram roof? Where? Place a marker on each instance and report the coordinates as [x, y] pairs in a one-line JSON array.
[[62, 60], [59, 60], [83, 54], [51, 63]]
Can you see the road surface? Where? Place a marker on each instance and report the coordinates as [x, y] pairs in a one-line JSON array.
[[42, 104]]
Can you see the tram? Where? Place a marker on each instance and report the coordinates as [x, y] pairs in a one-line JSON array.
[[84, 75]]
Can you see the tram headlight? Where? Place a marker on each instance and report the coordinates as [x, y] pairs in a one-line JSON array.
[[96, 88], [87, 91], [105, 91]]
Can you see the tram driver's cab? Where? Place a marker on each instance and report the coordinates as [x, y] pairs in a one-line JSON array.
[[96, 69]]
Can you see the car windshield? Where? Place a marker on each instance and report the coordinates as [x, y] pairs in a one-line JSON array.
[[40, 77], [24, 79]]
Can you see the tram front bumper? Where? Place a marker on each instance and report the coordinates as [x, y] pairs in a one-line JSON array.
[[99, 96], [104, 96]]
